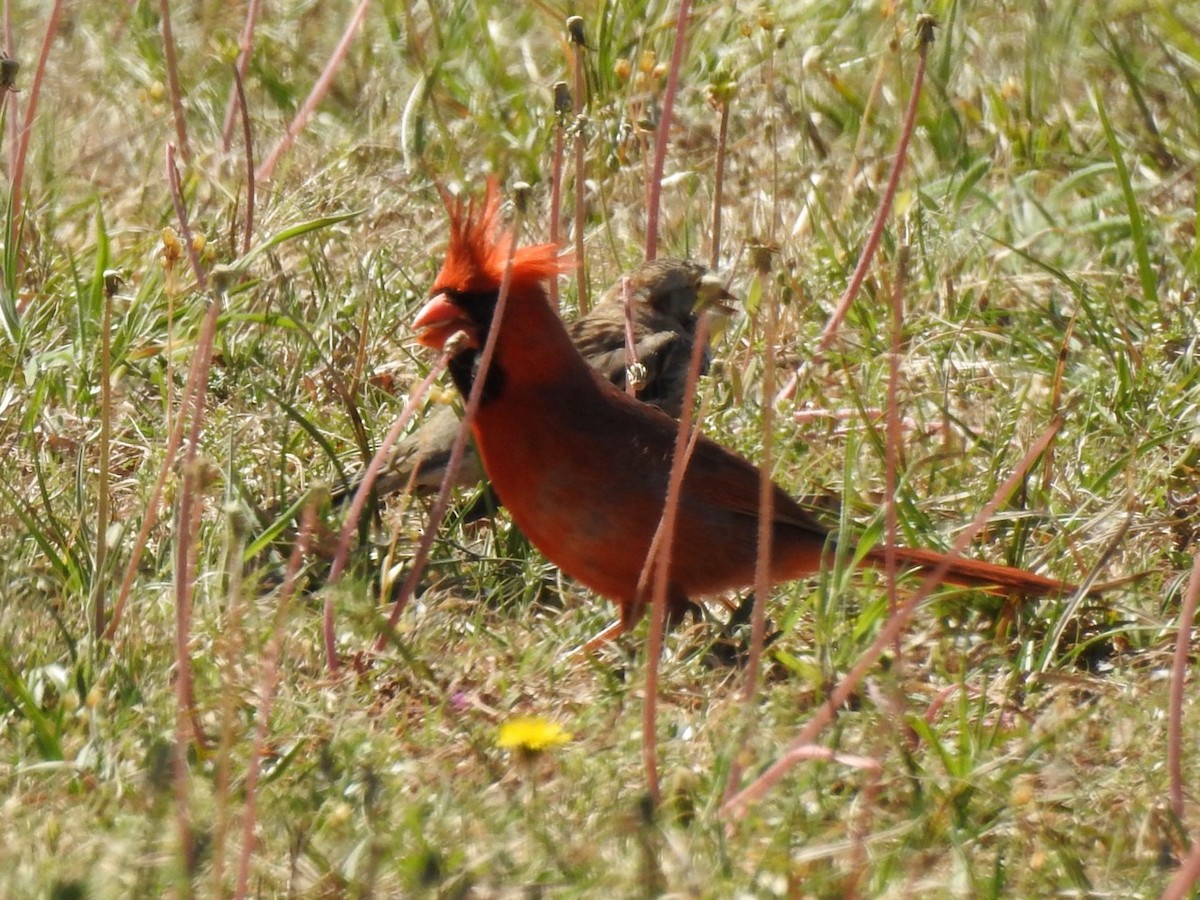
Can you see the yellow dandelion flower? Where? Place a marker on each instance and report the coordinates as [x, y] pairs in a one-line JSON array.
[[531, 734]]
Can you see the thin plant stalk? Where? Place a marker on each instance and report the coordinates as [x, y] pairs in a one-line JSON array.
[[248, 143], [770, 103], [662, 135], [575, 27], [860, 140], [442, 503], [360, 501], [231, 645], [173, 87], [11, 100], [197, 376], [714, 257], [829, 333], [268, 686], [319, 90], [1179, 668], [185, 228], [99, 611], [562, 107], [766, 515], [35, 91], [1186, 876], [631, 357], [186, 538], [737, 806], [183, 726], [894, 444], [1055, 404], [200, 362], [240, 68], [658, 560], [187, 719]]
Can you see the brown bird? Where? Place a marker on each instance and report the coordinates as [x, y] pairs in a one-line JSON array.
[[583, 468], [666, 295]]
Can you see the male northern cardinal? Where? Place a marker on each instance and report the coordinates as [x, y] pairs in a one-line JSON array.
[[583, 468], [666, 295]]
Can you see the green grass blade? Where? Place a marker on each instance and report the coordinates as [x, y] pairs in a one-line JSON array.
[[1137, 224]]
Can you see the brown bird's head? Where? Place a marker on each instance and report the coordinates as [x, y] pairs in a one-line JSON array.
[[679, 288]]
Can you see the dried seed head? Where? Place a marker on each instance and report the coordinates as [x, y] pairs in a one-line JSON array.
[[562, 98], [8, 72], [925, 26], [760, 257], [575, 30], [721, 92], [522, 191]]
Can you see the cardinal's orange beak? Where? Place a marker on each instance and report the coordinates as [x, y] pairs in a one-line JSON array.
[[441, 318]]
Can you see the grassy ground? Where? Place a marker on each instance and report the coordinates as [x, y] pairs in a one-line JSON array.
[[1050, 210]]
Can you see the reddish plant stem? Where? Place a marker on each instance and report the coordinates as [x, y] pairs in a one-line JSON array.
[[442, 503], [1180, 887], [268, 686], [197, 375], [187, 717], [736, 807], [185, 228], [241, 67], [164, 13], [35, 92], [190, 506], [320, 89], [894, 443], [231, 647], [662, 135], [581, 282], [183, 689], [378, 461], [658, 561], [1179, 667], [562, 107], [864, 120], [833, 326], [766, 513]]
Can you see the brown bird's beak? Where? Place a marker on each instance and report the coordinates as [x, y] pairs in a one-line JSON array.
[[439, 320], [712, 296]]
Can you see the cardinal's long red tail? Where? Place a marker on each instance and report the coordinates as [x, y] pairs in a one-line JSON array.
[[977, 574]]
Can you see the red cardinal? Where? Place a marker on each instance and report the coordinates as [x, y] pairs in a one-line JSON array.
[[666, 296], [583, 468]]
